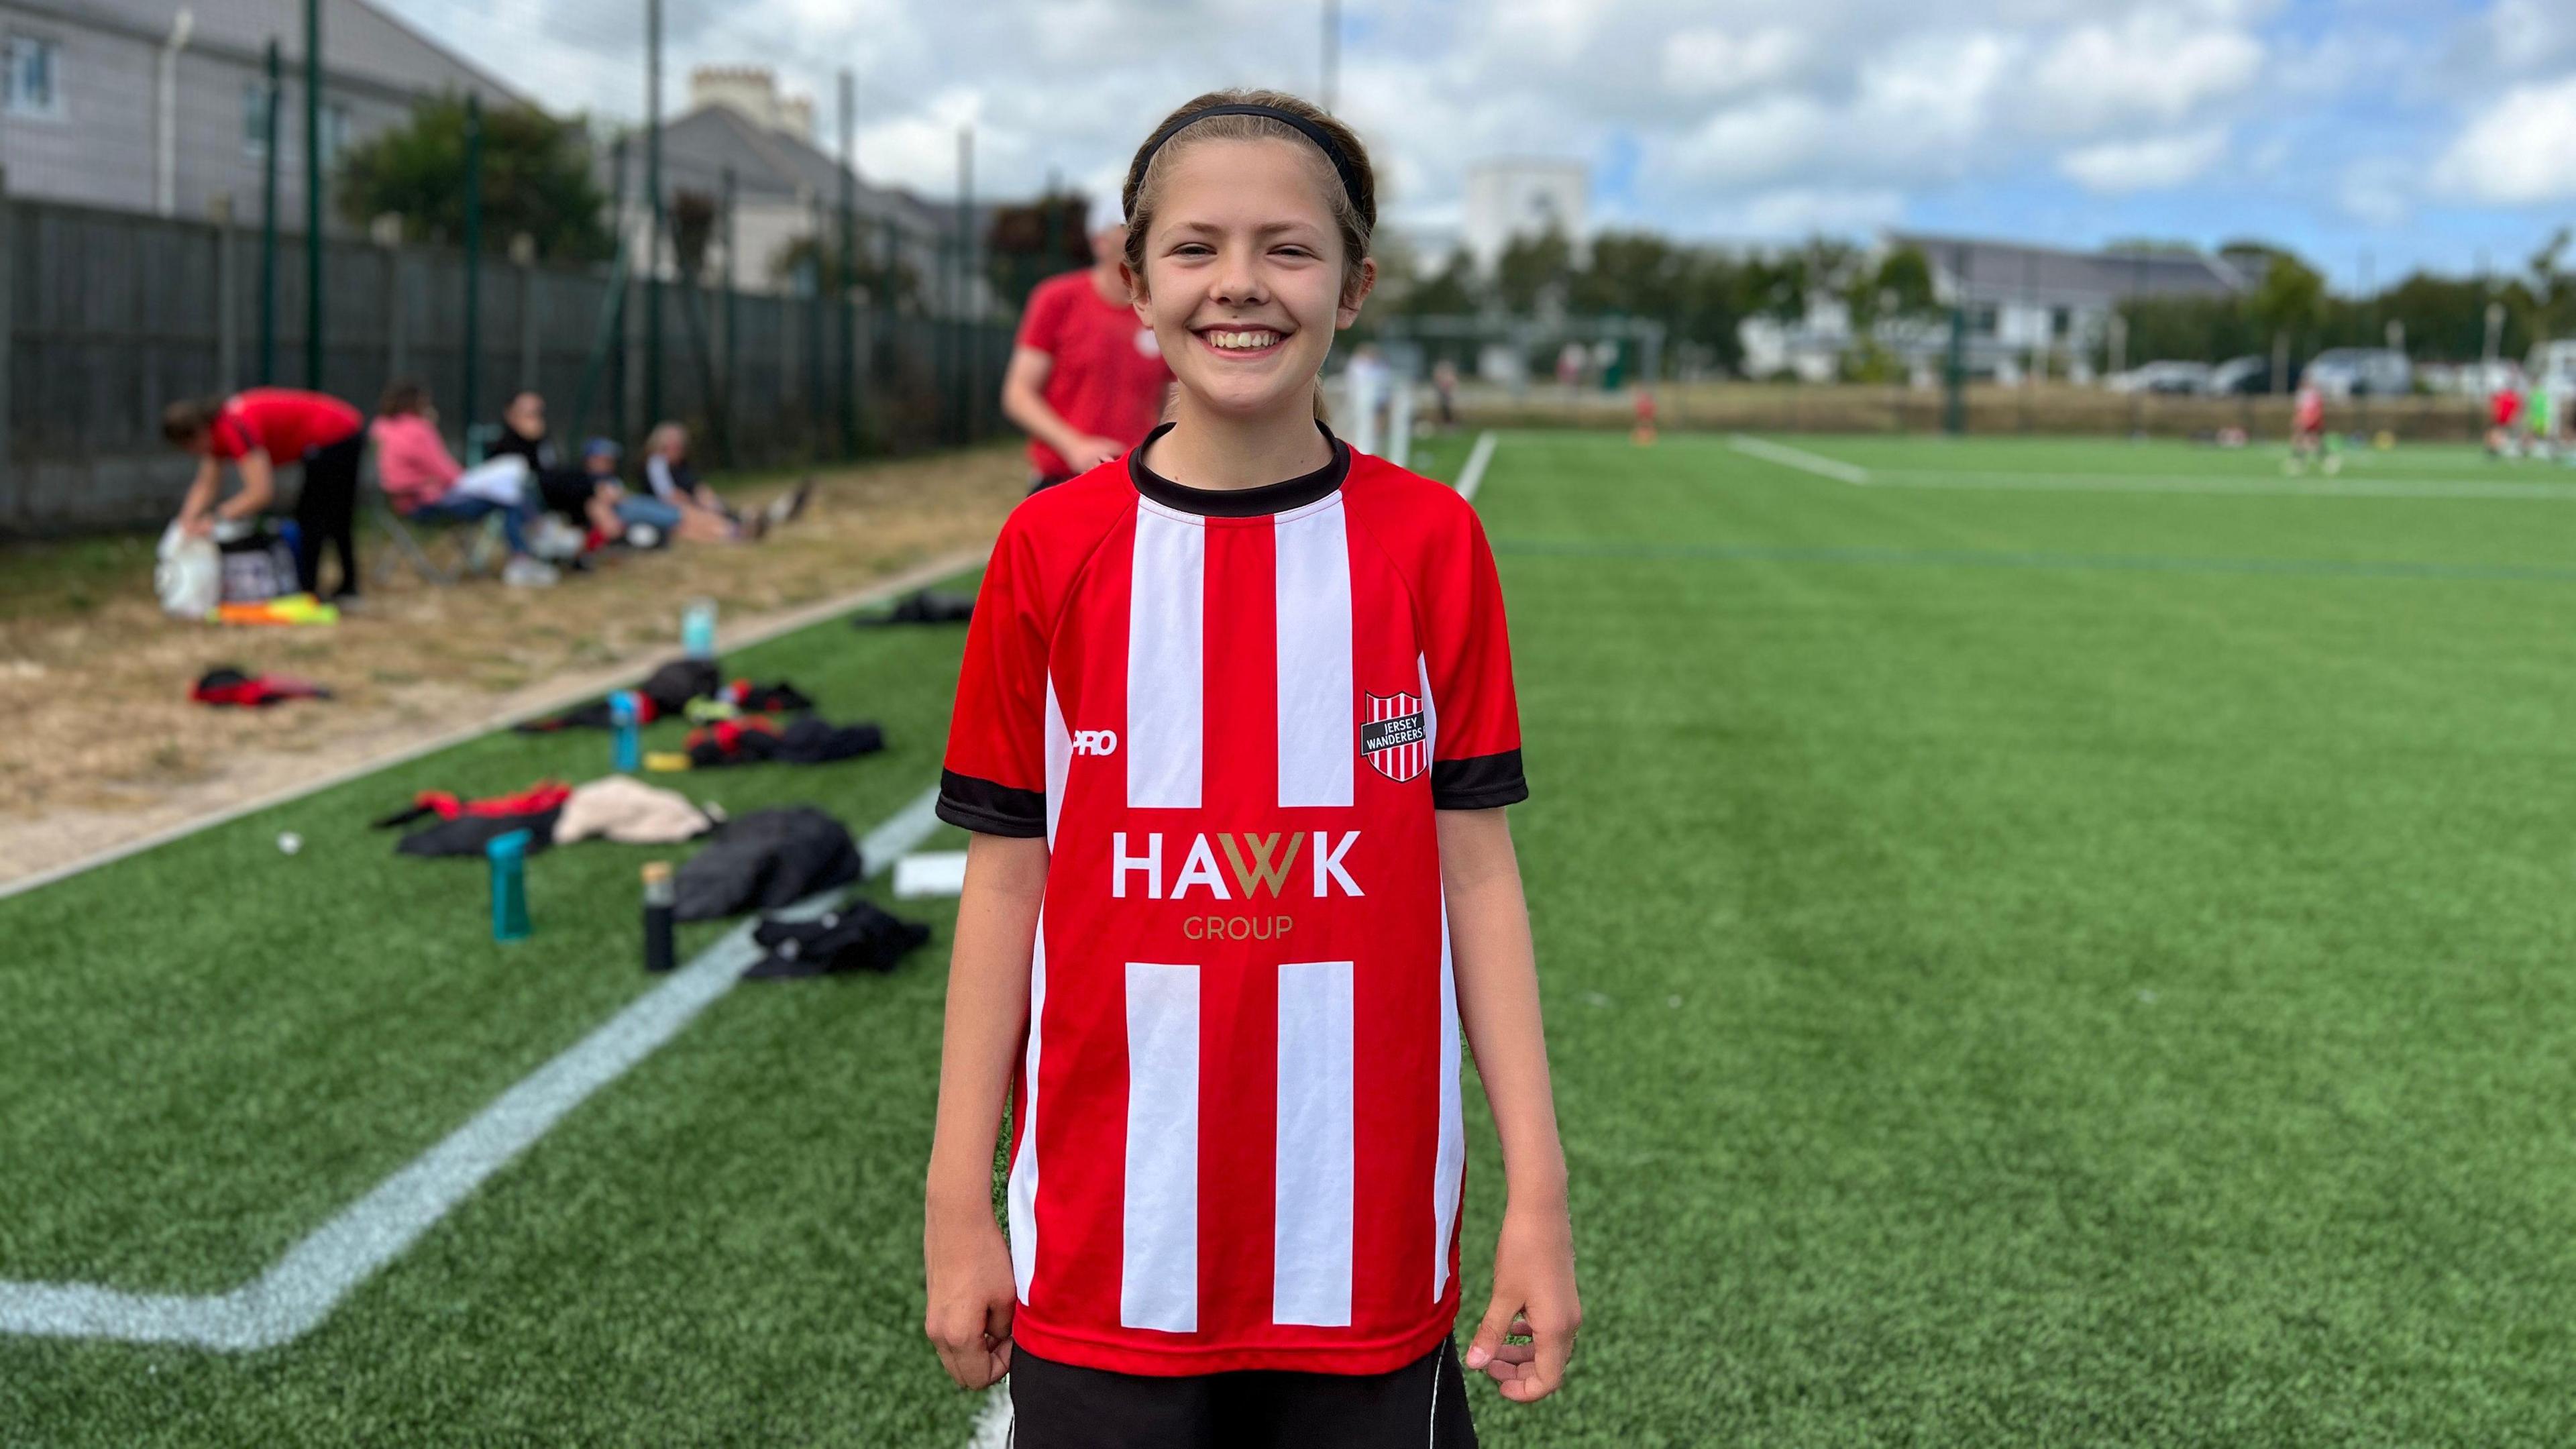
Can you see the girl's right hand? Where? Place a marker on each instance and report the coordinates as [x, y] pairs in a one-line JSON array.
[[972, 1294]]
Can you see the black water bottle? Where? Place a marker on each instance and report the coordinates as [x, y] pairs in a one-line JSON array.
[[660, 896]]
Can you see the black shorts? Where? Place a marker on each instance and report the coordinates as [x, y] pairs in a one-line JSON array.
[[1420, 1406], [1041, 482]]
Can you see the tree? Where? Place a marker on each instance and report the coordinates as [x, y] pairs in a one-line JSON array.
[[536, 180], [1028, 243], [1535, 267], [2291, 298]]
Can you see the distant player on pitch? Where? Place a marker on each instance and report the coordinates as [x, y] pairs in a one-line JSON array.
[[1234, 731], [2308, 429]]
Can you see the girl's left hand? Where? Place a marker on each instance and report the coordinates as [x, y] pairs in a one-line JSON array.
[[1534, 1298]]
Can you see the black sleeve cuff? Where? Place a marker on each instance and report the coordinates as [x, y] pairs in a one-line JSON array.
[[990, 809], [1480, 782]]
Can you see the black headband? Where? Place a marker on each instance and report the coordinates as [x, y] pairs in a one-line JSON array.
[[1323, 139]]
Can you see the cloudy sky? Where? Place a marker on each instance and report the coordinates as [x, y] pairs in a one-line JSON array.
[[2369, 134]]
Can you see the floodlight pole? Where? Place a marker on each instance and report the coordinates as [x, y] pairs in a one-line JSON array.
[[1332, 51]]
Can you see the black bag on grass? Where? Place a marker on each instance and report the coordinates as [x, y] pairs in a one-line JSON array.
[[764, 860]]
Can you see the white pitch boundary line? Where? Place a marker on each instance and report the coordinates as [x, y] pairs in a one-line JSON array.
[[1800, 459], [1961, 480], [301, 1288], [584, 688], [1472, 477]]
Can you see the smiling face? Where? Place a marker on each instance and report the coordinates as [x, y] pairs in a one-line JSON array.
[[1245, 274]]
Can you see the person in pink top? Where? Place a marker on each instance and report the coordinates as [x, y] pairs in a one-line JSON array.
[[424, 481]]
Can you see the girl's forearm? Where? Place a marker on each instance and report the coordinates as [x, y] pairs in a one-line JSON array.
[[1497, 975], [988, 1007]]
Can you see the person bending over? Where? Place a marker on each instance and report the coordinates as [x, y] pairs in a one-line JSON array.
[[425, 482], [260, 431]]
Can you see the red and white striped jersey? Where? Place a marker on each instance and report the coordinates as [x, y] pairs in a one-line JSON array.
[[1232, 714]]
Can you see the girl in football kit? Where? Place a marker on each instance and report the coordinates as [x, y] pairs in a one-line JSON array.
[[1232, 733]]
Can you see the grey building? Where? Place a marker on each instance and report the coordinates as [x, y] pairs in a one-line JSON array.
[[159, 106], [2030, 306], [786, 190]]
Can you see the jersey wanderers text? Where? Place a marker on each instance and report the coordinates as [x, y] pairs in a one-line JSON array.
[[1237, 1138]]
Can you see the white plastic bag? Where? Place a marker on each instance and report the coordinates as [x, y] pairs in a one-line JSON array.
[[188, 576]]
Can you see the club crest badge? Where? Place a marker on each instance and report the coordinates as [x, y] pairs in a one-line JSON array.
[[1394, 739]]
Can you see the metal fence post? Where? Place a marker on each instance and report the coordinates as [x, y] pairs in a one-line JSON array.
[[8, 347], [227, 295], [313, 308], [732, 320], [653, 196], [523, 252], [473, 260], [268, 221], [848, 268]]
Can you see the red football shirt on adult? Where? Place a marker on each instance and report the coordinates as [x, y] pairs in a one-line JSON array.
[[1109, 373], [1232, 715], [283, 422]]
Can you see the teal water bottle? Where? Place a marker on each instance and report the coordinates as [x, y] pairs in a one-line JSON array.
[[698, 629], [626, 717], [508, 857]]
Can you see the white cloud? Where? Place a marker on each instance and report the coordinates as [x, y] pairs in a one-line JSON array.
[[1800, 210], [2378, 190], [2150, 165], [1714, 62], [2516, 152], [2155, 65]]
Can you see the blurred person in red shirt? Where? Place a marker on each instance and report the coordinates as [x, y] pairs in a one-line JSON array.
[[259, 432], [1087, 379]]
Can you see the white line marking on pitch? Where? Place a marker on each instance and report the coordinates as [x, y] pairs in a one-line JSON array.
[[1963, 480], [1472, 477], [1800, 458], [301, 1288]]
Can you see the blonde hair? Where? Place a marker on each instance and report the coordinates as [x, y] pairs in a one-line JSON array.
[[1354, 207]]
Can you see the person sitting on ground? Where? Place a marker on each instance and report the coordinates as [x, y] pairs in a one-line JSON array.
[[641, 522], [259, 432], [673, 481], [570, 493], [425, 482]]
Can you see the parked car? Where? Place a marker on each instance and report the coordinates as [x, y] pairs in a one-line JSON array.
[[2169, 377], [2239, 376], [2361, 372]]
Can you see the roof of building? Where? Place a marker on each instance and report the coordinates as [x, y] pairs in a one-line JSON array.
[[359, 41], [1995, 268], [767, 165]]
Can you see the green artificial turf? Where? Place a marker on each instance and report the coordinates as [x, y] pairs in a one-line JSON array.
[[2027, 963]]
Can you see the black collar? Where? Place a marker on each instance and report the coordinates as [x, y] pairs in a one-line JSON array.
[[1240, 502]]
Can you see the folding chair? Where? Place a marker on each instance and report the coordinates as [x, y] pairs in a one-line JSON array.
[[472, 544]]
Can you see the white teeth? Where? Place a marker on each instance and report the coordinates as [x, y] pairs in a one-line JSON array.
[[1241, 341]]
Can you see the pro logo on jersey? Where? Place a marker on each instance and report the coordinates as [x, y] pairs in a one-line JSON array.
[[1095, 742], [1393, 739]]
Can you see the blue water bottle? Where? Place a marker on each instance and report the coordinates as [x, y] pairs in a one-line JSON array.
[[508, 856], [698, 629], [626, 716]]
